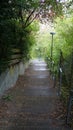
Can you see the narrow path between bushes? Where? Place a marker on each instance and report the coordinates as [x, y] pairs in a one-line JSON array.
[[32, 104]]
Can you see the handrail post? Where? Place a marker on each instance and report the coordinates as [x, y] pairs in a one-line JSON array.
[[60, 81], [70, 102], [52, 33]]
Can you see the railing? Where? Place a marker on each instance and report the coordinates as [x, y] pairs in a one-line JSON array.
[[69, 108], [68, 77], [61, 71]]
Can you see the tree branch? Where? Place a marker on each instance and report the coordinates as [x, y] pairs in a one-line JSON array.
[[28, 18], [32, 20]]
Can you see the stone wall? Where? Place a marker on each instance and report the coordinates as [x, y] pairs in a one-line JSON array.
[[10, 76]]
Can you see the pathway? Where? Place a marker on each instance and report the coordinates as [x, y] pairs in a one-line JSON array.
[[33, 103]]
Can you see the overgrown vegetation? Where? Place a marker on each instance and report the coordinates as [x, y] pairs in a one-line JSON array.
[[17, 30], [63, 53], [16, 38], [64, 42]]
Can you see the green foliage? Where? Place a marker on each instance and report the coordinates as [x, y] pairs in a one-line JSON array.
[[13, 34], [40, 48], [65, 31], [7, 97], [64, 42], [17, 29]]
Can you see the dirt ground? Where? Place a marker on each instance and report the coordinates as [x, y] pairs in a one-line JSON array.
[[33, 103]]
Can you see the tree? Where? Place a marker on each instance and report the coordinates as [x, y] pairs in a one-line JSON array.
[[16, 18]]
